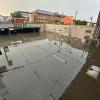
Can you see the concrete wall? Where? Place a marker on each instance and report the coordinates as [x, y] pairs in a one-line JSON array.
[[41, 26], [76, 31]]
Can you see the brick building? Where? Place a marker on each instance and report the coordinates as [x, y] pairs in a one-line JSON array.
[[41, 16]]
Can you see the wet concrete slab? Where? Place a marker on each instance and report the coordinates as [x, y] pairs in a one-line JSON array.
[[86, 84], [24, 37], [36, 74]]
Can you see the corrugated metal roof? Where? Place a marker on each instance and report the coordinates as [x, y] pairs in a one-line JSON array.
[[44, 12]]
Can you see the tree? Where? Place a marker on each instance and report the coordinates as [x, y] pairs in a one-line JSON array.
[[79, 22], [16, 14]]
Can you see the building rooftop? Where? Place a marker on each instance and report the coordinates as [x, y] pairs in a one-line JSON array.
[[44, 12], [48, 13]]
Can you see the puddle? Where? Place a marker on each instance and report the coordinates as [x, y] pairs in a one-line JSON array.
[[93, 71]]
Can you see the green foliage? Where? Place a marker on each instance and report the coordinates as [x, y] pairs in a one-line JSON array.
[[79, 22], [16, 14], [50, 21]]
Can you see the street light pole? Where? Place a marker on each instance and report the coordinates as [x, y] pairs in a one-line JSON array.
[[91, 18], [75, 16]]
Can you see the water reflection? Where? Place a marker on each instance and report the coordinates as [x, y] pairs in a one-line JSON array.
[[37, 71], [87, 81], [24, 37], [6, 49]]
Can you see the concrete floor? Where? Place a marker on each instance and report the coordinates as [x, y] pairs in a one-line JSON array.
[[86, 86], [38, 71]]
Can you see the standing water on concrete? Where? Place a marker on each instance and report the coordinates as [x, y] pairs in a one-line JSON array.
[[24, 37], [38, 70]]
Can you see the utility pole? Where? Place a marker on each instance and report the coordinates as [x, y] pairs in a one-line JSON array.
[[75, 16], [91, 18]]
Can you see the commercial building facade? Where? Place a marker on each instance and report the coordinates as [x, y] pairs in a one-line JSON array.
[[41, 16], [5, 19], [20, 17]]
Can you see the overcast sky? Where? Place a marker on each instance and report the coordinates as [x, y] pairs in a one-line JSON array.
[[85, 8]]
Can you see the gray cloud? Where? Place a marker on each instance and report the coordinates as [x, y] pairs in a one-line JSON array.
[[85, 8]]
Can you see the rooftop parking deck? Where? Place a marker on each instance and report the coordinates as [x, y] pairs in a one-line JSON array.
[[38, 70], [87, 81]]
